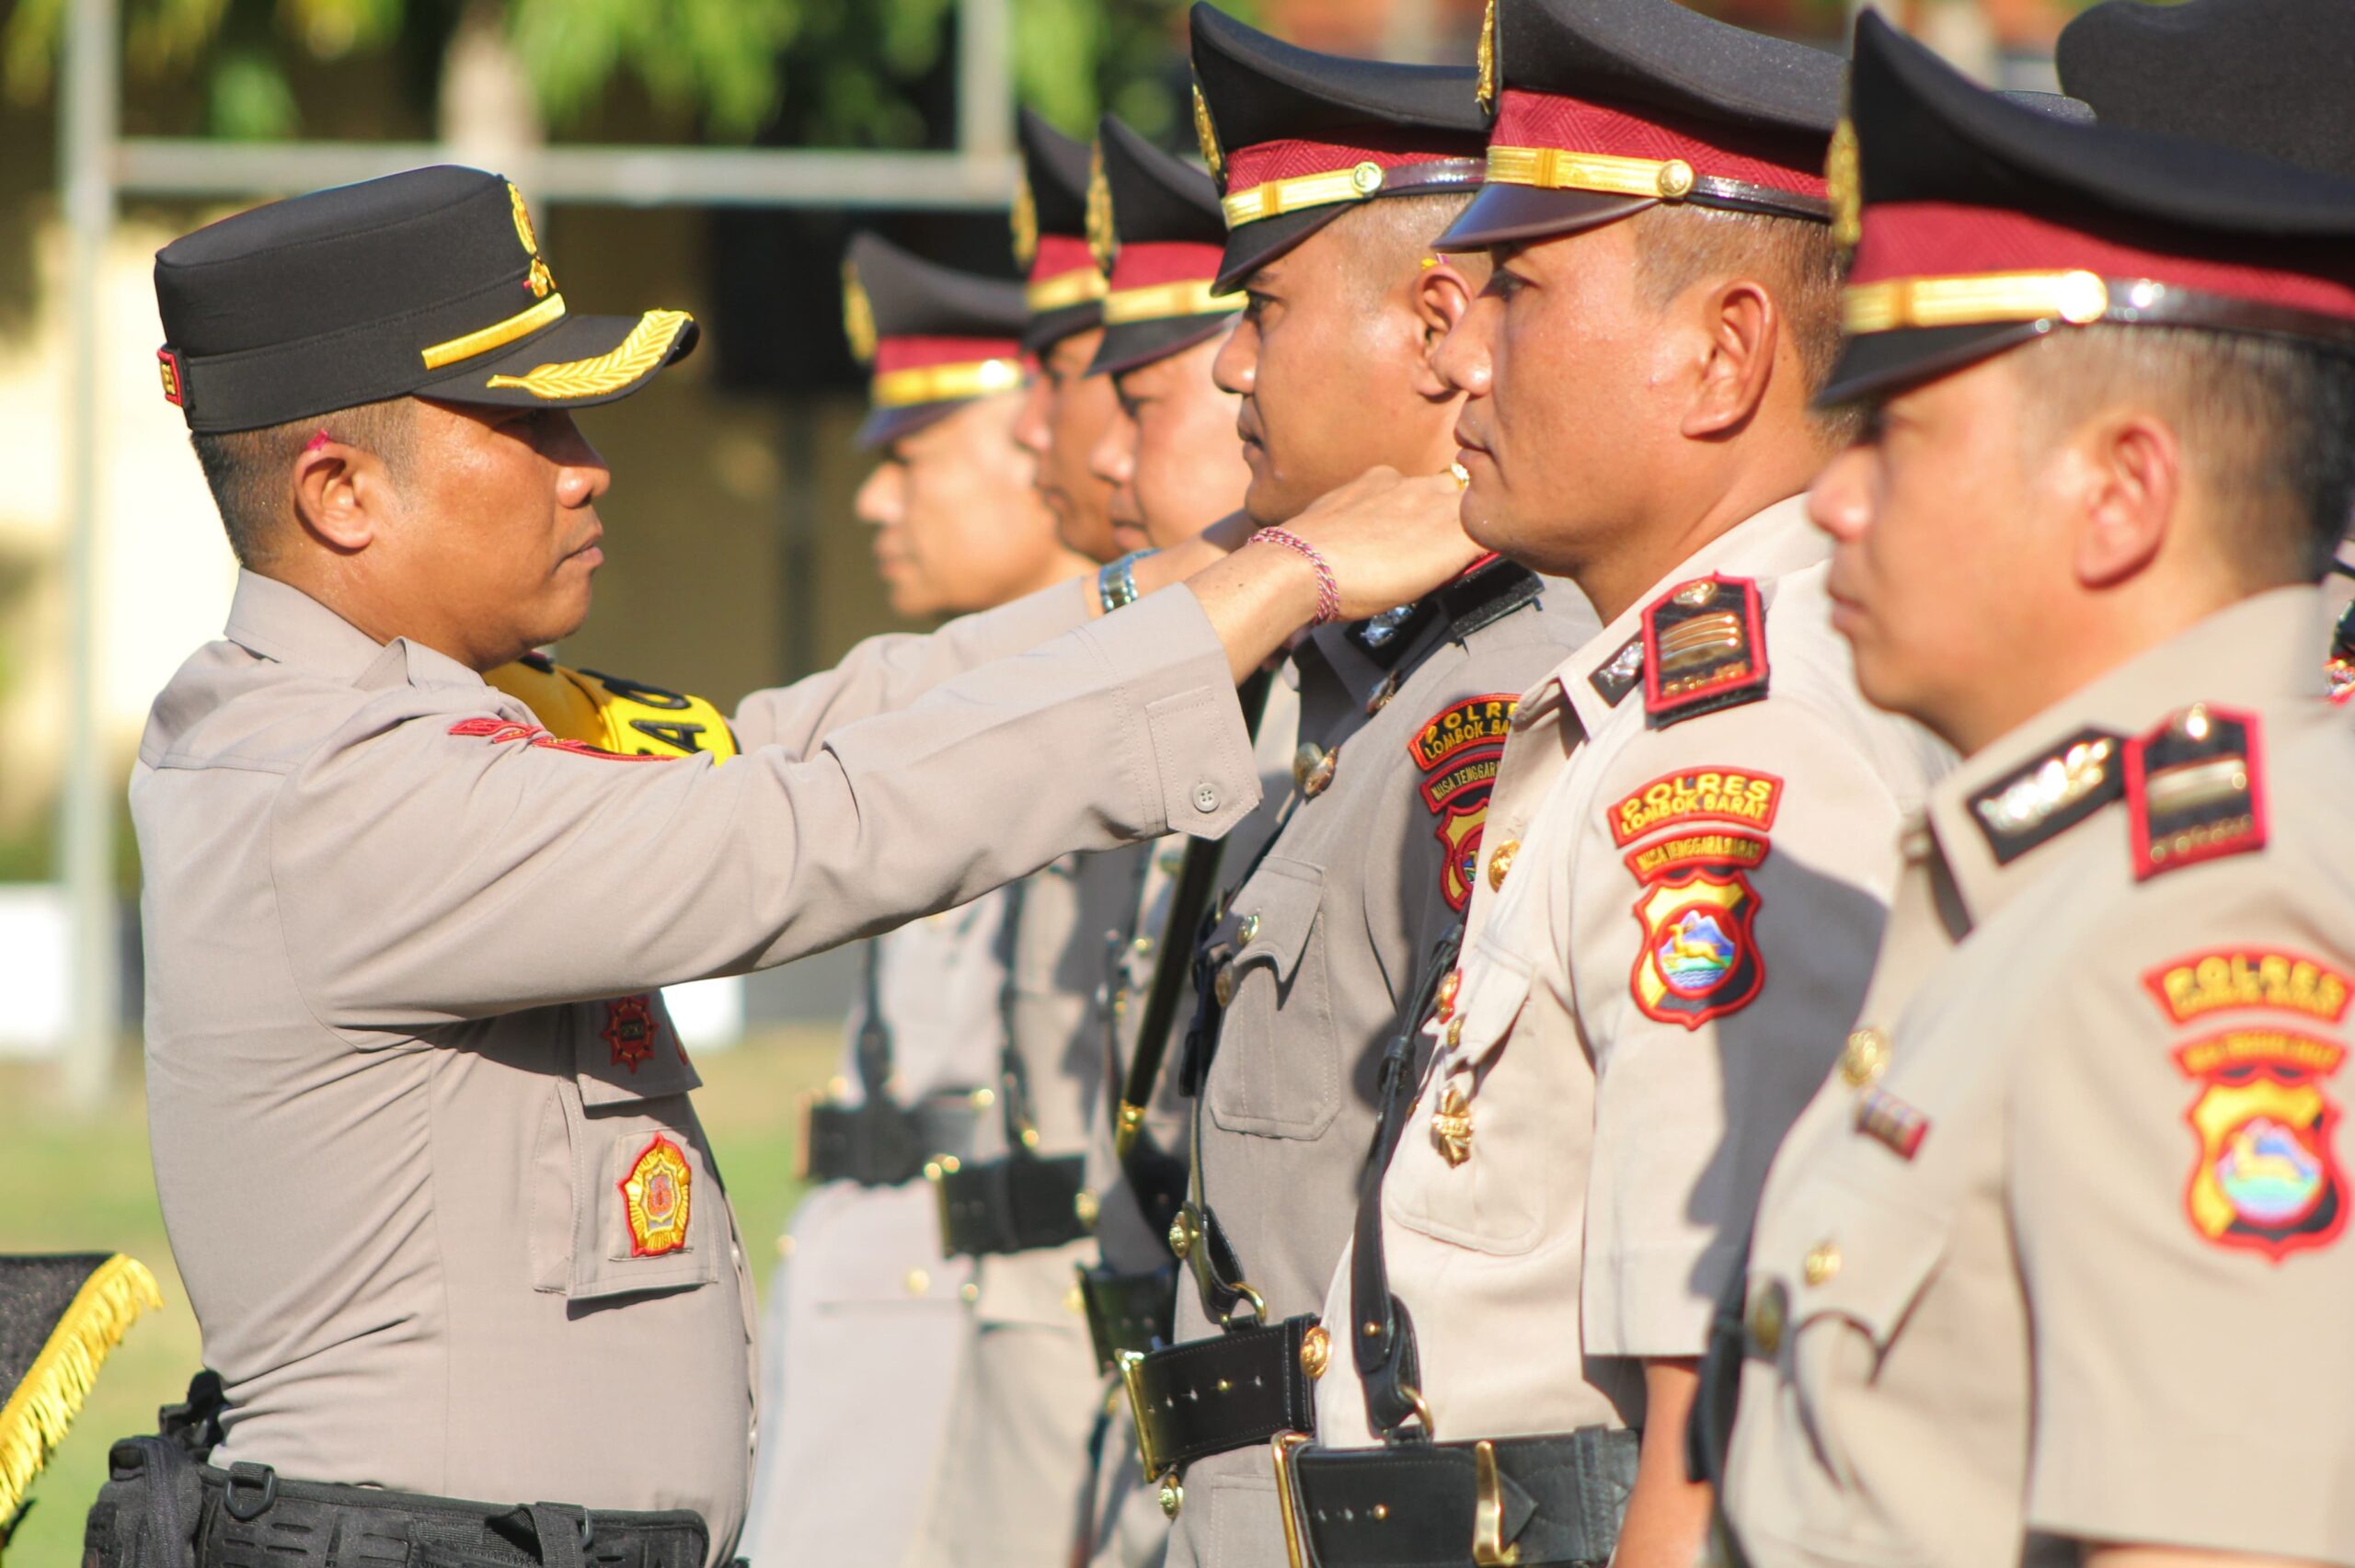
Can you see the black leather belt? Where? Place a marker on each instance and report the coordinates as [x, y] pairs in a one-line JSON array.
[[1016, 1205], [1208, 1396], [1128, 1311], [249, 1517], [1532, 1501], [878, 1143]]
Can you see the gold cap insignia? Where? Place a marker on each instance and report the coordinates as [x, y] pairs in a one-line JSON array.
[[858, 315], [522, 220], [1206, 136], [1025, 221], [1101, 240], [1844, 176], [1488, 58]]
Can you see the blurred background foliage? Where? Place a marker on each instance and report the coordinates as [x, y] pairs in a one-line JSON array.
[[824, 73]]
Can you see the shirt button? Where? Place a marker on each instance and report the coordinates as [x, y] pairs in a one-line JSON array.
[[1205, 798], [1248, 932], [1768, 1312], [1454, 1032], [1865, 1058], [1822, 1261], [1500, 862], [918, 1282], [1448, 988], [1223, 987]]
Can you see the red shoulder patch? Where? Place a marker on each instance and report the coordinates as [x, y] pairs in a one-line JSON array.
[[629, 1031], [2267, 1178], [2195, 789], [1698, 795], [1458, 752], [1699, 958], [2256, 978], [1705, 649]]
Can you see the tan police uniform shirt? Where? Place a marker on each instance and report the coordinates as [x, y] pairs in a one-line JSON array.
[[421, 1128], [865, 1332], [1330, 932], [1670, 924], [2059, 1254]]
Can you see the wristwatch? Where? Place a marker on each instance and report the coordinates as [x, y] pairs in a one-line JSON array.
[[1115, 581]]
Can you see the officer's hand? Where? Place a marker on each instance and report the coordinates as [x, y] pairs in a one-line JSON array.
[[1389, 539]]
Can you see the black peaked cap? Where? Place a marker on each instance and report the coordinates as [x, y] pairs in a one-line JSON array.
[[1055, 177], [1927, 133], [912, 297], [906, 296], [1660, 54], [1662, 61], [2267, 76], [1258, 89], [427, 284], [1156, 198]]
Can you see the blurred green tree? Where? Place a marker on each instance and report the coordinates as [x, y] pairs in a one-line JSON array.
[[817, 72]]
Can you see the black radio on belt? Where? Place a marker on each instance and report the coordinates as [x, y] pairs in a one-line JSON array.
[[881, 1143], [1134, 1312], [1014, 1204]]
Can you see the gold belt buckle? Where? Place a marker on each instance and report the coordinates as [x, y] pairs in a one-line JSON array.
[[1488, 1548], [1133, 1380], [1280, 1449]]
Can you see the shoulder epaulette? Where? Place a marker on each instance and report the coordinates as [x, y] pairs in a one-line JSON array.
[[1705, 649], [1481, 597], [2052, 793], [2195, 789]]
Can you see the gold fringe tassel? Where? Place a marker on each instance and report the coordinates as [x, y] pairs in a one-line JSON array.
[[34, 1420]]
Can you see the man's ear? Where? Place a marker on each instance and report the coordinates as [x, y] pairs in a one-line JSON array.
[[1737, 327], [2123, 474], [340, 494], [1439, 296]]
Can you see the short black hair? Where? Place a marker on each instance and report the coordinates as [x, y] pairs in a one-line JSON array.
[[2268, 425], [1795, 257], [250, 471]]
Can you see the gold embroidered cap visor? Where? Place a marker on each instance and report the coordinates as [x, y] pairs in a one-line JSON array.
[[428, 283]]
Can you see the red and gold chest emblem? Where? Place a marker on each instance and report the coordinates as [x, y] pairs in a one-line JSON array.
[[2267, 1178], [657, 1197], [1699, 958], [1458, 753], [629, 1030]]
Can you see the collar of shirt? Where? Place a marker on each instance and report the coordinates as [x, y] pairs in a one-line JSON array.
[[1764, 546], [282, 623], [2260, 650]]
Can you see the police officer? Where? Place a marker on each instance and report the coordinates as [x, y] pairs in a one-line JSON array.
[[2055, 1266], [1692, 836], [1177, 465], [1338, 176], [866, 1332], [421, 1128]]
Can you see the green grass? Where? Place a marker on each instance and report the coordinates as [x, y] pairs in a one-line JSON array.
[[91, 1189]]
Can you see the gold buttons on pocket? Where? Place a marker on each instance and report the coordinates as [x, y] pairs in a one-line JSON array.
[[918, 1282], [1320, 777], [1769, 1310], [1500, 862], [1304, 761], [1865, 1059], [1173, 1496], [1316, 1352], [1085, 1208], [1248, 932], [1222, 987], [1454, 1032], [1822, 1261], [1448, 988]]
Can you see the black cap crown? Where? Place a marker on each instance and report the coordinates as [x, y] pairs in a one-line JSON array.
[[1297, 138], [1160, 218], [2267, 76], [1066, 291], [937, 337], [1607, 106], [428, 283]]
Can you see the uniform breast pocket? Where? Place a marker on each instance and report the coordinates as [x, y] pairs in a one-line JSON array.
[[1278, 1071], [1498, 1130], [626, 1199], [1851, 1291]]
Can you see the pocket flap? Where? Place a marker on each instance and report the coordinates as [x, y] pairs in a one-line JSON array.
[[1870, 1262], [1281, 899], [628, 1049]]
